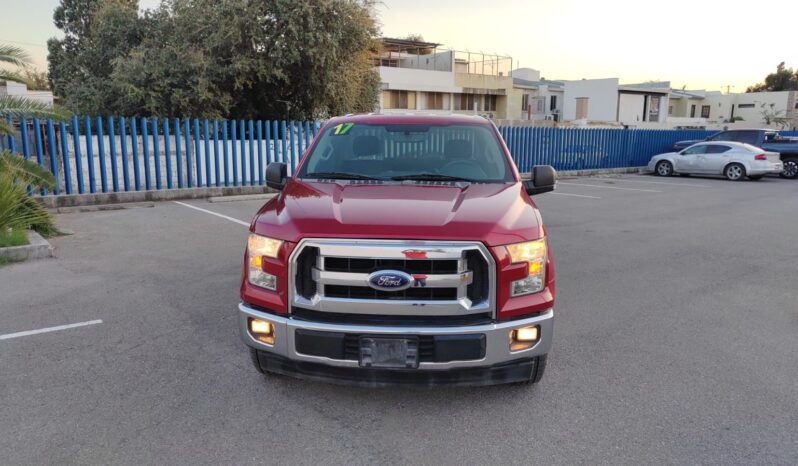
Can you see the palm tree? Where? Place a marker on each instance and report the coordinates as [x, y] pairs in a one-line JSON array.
[[20, 107], [18, 211]]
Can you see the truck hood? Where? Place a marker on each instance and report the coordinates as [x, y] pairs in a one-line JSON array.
[[495, 214]]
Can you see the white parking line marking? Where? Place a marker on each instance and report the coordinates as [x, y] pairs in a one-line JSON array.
[[26, 333], [576, 195], [240, 222], [662, 182], [610, 187]]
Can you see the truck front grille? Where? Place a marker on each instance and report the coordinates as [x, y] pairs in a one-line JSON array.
[[449, 278]]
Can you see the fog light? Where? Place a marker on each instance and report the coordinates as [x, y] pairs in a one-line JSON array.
[[524, 338], [262, 331]]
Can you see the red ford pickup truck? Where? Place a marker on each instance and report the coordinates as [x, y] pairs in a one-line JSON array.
[[405, 249]]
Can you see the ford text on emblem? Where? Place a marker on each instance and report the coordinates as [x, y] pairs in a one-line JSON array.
[[390, 280]]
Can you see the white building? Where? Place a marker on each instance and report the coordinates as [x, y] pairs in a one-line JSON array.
[[690, 108], [13, 88], [597, 101], [418, 77], [540, 98]]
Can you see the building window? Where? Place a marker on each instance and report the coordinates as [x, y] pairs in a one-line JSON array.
[[465, 102], [399, 99], [796, 105], [670, 109], [705, 111], [490, 103], [540, 104], [553, 104], [434, 100], [581, 108], [692, 111], [745, 106], [525, 102]]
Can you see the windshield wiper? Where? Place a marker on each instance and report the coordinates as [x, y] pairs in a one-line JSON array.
[[340, 176], [430, 177]]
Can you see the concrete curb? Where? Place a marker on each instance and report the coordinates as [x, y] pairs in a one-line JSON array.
[[37, 248], [76, 200], [245, 197], [600, 171]]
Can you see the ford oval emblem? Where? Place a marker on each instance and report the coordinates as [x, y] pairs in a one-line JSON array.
[[390, 280]]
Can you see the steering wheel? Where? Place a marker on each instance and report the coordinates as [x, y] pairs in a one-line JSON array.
[[468, 167]]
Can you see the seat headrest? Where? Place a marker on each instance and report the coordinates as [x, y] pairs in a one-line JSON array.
[[457, 149], [366, 145]]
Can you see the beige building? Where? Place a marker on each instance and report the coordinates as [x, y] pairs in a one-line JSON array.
[[751, 109], [420, 77]]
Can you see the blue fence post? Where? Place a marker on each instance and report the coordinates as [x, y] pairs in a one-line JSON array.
[[300, 139], [259, 125], [292, 145], [53, 155], [187, 140], [225, 153], [112, 153], [250, 125], [65, 157], [178, 160], [207, 146], [167, 152], [37, 142], [267, 125], [197, 150], [156, 152], [233, 142], [101, 154], [285, 155], [216, 153], [134, 146], [10, 138], [243, 153], [23, 130], [307, 134], [123, 144], [146, 152], [276, 139]]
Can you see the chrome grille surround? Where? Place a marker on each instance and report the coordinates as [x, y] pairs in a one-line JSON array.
[[393, 249]]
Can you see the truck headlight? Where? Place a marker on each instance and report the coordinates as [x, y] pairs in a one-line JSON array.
[[534, 254], [259, 247]]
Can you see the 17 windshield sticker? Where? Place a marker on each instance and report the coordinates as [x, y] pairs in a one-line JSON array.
[[342, 128]]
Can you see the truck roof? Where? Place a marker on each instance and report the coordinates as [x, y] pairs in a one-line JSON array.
[[412, 119]]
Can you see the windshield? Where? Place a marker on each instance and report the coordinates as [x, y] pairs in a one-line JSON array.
[[408, 152]]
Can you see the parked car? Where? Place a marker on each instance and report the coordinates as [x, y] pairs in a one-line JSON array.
[[767, 139], [403, 250], [734, 160]]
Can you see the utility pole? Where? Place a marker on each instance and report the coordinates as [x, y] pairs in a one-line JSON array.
[[728, 88]]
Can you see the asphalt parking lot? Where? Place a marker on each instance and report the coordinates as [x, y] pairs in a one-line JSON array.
[[676, 342]]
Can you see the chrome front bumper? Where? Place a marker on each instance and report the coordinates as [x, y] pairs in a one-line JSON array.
[[497, 348]]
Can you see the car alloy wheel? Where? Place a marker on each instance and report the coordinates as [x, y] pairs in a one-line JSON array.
[[790, 169], [735, 172], [664, 169]]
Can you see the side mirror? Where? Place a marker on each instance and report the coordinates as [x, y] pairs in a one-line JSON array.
[[276, 174], [544, 179]]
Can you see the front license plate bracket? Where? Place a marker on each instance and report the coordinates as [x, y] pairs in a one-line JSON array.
[[389, 353]]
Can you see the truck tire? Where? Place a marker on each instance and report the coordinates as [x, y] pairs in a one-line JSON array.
[[734, 172], [790, 170], [664, 168]]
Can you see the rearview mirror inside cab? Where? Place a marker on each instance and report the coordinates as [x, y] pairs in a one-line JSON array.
[[542, 180]]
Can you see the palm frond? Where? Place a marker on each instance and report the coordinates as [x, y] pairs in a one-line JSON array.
[[18, 211], [6, 129], [22, 107], [8, 75], [25, 172], [13, 55]]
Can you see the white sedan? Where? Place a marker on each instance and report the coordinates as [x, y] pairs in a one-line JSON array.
[[734, 160]]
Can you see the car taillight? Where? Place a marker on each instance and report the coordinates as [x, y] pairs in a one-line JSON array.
[[760, 157]]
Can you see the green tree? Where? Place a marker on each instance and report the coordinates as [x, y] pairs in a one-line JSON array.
[[784, 79], [221, 58], [96, 32]]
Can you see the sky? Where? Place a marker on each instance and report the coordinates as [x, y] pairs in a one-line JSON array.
[[698, 44]]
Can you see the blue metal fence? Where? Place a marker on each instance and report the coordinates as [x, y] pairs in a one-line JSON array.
[[134, 154], [90, 155]]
